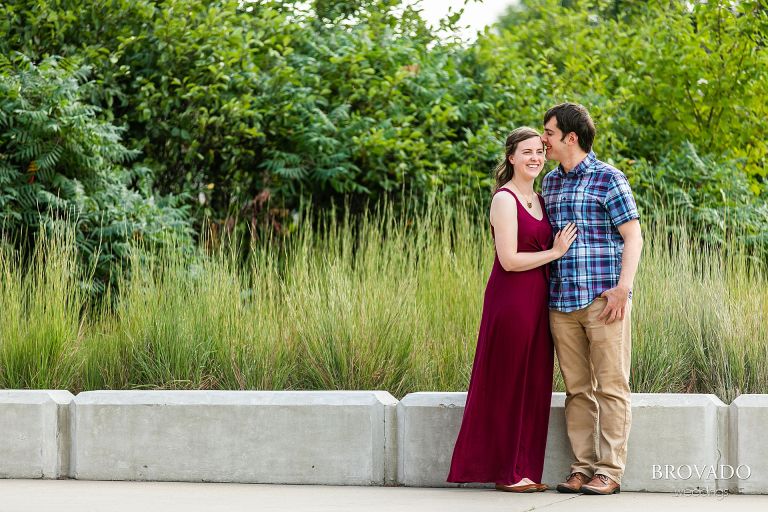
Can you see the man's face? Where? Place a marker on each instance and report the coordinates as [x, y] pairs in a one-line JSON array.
[[553, 140]]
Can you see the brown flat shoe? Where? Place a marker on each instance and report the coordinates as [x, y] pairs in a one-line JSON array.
[[573, 483], [601, 485], [521, 488]]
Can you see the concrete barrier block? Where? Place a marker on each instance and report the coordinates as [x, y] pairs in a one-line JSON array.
[[725, 449], [34, 433], [748, 421], [675, 443], [299, 437], [670, 432], [390, 440], [558, 457], [428, 425]]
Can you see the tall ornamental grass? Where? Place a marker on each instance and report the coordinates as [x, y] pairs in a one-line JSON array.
[[41, 326], [373, 301]]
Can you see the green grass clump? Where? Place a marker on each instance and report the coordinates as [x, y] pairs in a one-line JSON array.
[[375, 301]]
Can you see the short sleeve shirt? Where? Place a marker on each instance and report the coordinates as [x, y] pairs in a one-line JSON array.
[[597, 197]]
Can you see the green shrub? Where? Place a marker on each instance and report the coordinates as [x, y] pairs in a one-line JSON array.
[[233, 103], [712, 200], [60, 163], [655, 74], [252, 108]]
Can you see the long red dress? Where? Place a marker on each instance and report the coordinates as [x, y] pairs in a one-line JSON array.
[[504, 428]]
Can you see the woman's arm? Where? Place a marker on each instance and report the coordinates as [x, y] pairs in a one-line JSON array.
[[504, 222]]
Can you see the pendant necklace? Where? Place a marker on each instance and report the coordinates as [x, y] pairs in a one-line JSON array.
[[528, 202]]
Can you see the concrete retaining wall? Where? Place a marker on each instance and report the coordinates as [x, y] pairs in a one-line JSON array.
[[428, 424], [427, 427], [34, 433], [298, 437], [674, 441], [678, 441], [558, 457], [749, 443]]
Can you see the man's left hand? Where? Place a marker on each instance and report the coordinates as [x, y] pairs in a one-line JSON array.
[[617, 304]]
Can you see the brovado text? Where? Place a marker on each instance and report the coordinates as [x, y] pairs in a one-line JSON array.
[[701, 472]]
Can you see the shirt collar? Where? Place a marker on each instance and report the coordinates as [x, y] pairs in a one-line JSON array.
[[581, 168]]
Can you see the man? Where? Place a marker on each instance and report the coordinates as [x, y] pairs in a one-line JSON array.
[[591, 298]]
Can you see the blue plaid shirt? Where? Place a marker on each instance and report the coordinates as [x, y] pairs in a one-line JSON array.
[[597, 197]]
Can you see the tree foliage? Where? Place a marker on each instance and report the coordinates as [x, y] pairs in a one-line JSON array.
[[656, 74], [677, 90], [61, 163], [253, 107], [228, 99]]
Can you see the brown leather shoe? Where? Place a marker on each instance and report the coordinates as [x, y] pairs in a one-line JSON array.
[[601, 485], [573, 484]]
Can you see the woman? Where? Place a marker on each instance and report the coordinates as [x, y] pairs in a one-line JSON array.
[[504, 429]]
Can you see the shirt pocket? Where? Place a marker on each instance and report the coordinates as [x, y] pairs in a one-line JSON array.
[[583, 208]]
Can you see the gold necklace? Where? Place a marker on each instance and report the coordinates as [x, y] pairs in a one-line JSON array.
[[528, 202]]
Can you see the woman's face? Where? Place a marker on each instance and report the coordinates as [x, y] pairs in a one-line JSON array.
[[529, 158]]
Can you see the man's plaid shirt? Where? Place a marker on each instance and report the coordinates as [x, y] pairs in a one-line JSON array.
[[597, 197]]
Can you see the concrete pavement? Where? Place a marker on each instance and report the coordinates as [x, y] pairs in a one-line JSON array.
[[94, 496]]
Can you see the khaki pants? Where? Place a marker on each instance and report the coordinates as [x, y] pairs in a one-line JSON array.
[[594, 360]]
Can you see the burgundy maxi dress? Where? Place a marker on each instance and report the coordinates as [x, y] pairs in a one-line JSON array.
[[504, 428]]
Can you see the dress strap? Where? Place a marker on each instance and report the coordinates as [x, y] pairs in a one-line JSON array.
[[505, 189]]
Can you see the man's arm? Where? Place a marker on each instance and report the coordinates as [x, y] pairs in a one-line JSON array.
[[630, 258], [633, 246]]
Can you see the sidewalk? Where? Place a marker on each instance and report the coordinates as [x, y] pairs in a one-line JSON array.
[[90, 496]]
